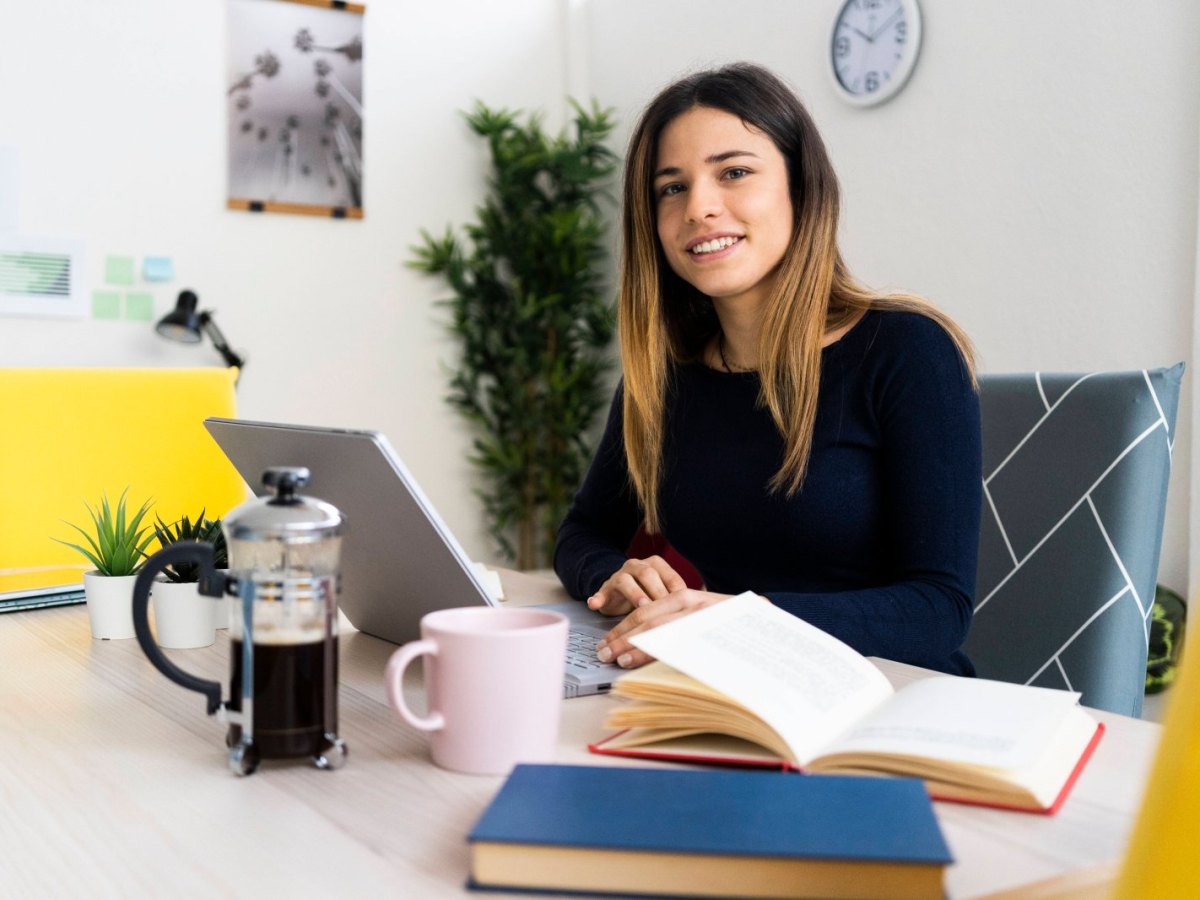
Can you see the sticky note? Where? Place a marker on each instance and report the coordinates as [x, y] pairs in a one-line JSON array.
[[139, 306], [158, 268], [118, 270], [106, 305]]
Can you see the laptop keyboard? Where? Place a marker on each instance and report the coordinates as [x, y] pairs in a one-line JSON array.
[[581, 648]]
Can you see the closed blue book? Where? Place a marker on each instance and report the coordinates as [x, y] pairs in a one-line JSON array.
[[711, 833]]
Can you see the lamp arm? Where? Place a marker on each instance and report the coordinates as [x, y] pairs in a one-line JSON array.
[[214, 333]]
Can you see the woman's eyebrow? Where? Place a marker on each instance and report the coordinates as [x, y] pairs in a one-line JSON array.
[[715, 158], [729, 154]]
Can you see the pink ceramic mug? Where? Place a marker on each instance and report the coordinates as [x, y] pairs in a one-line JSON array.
[[494, 683]]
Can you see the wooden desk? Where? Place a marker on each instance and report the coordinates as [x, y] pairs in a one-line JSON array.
[[114, 783]]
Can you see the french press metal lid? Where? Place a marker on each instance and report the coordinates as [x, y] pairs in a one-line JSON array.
[[285, 516]]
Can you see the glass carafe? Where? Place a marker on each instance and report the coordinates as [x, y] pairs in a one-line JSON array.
[[283, 629]]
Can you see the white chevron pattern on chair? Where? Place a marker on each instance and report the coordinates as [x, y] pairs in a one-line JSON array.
[[1075, 477]]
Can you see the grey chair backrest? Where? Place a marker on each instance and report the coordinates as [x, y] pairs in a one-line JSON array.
[[1075, 471]]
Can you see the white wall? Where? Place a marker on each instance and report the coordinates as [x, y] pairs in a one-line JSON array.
[[1037, 178], [118, 112]]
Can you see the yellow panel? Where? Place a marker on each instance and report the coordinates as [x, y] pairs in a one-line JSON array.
[[1158, 863], [67, 436]]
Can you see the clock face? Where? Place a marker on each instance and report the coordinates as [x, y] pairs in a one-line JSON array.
[[873, 48]]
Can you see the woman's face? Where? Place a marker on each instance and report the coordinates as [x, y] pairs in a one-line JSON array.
[[723, 209]]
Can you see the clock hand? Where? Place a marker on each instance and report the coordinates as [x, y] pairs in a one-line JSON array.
[[886, 22], [862, 34]]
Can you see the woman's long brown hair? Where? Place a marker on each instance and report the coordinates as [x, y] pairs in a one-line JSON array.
[[664, 321]]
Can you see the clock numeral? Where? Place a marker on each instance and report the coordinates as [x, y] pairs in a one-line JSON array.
[[842, 46], [871, 83], [901, 31]]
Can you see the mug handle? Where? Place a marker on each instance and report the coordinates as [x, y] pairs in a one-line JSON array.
[[394, 679]]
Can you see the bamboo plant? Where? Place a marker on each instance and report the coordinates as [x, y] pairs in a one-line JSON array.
[[530, 310]]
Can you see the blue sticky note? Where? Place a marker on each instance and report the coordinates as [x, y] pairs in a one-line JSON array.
[[158, 268]]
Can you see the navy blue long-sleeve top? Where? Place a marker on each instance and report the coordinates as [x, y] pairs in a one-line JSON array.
[[879, 545]]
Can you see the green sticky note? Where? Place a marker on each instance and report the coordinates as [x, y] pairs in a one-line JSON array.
[[139, 306], [118, 270], [106, 305]]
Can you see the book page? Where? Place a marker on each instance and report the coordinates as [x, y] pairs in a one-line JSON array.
[[804, 683], [964, 720]]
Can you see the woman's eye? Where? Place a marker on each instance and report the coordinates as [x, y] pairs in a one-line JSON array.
[[670, 190], [736, 172]]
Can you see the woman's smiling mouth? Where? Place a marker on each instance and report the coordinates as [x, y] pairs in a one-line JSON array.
[[715, 245]]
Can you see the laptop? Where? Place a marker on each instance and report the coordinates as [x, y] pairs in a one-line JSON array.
[[39, 587], [399, 561]]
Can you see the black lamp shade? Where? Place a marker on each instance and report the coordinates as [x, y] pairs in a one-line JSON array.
[[182, 323]]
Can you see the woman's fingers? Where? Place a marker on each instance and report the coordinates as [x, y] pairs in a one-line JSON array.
[[638, 581], [609, 603], [616, 646], [633, 657], [617, 596], [672, 579]]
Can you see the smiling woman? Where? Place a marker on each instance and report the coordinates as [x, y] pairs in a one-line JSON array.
[[789, 431]]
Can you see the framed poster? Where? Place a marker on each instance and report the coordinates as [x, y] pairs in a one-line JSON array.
[[294, 107]]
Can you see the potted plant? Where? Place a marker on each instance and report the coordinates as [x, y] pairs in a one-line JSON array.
[[116, 547], [535, 323], [184, 618]]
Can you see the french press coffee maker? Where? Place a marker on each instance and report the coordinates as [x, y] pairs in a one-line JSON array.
[[283, 570]]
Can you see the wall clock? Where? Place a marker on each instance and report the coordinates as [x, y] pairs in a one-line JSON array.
[[873, 48]]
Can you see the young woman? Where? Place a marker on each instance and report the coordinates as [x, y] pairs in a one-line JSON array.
[[788, 431]]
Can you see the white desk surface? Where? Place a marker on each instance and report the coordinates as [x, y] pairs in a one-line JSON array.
[[113, 782]]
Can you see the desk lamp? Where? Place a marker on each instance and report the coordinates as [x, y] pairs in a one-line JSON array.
[[184, 324]]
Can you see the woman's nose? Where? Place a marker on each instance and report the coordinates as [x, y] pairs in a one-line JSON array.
[[704, 201]]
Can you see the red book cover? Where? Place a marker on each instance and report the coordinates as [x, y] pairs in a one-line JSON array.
[[764, 760]]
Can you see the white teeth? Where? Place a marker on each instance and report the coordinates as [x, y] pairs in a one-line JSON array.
[[714, 245]]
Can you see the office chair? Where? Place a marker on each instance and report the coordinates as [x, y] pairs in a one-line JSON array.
[[1075, 471], [1075, 490]]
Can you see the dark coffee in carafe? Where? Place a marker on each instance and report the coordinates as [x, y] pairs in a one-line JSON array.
[[295, 706]]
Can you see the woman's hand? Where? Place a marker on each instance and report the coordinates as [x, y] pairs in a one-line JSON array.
[[651, 614], [637, 582]]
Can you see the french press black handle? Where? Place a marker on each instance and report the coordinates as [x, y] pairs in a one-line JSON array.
[[212, 584]]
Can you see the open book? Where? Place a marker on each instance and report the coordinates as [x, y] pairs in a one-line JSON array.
[[745, 682]]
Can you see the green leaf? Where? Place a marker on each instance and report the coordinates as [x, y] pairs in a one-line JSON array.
[[530, 309], [95, 560], [118, 544]]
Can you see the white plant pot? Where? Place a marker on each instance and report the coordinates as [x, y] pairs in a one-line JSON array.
[[182, 617], [223, 607], [109, 605]]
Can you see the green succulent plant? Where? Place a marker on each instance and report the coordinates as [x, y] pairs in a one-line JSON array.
[[207, 531], [118, 545]]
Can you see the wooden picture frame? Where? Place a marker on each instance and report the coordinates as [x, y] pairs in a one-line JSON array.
[[294, 107]]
